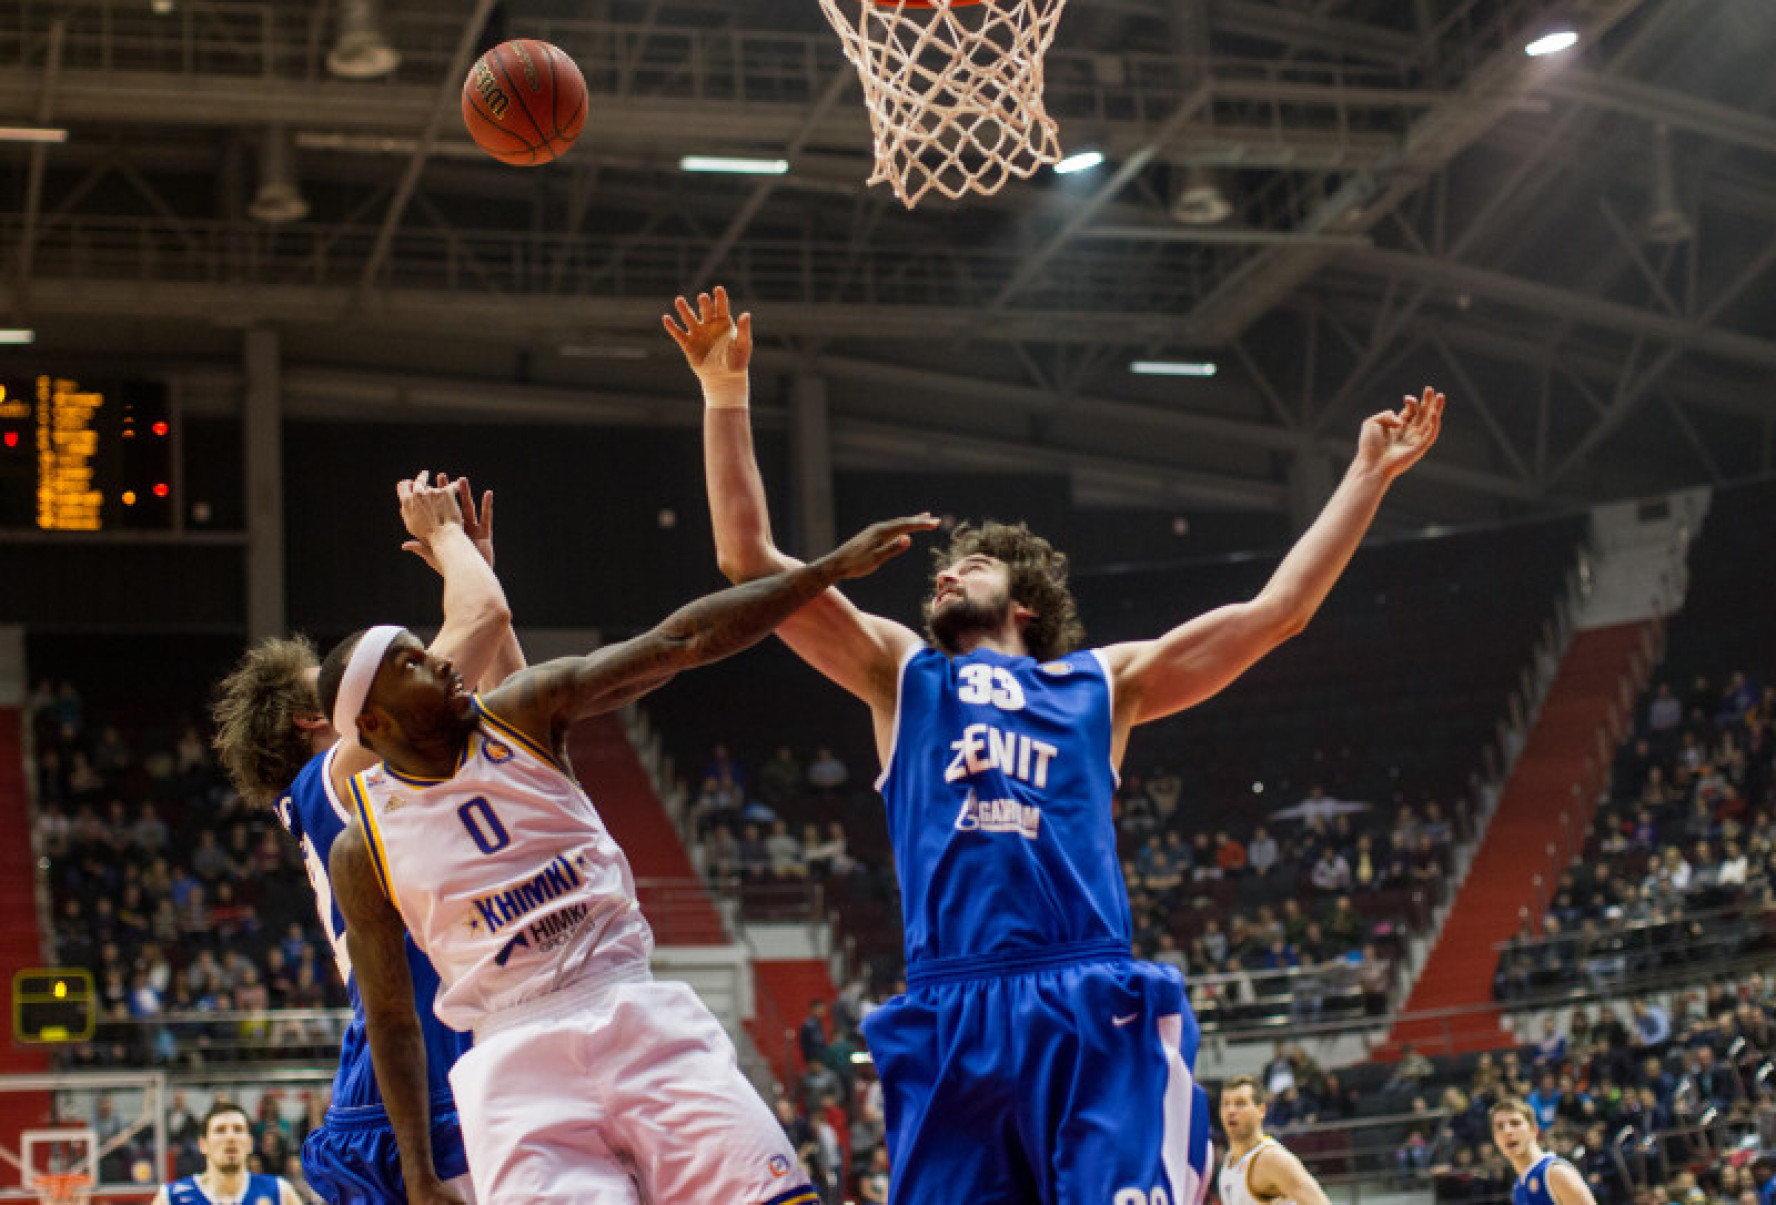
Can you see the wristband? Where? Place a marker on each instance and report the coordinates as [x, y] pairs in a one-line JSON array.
[[727, 392]]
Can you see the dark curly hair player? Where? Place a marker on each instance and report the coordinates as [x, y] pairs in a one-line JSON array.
[[1032, 1057]]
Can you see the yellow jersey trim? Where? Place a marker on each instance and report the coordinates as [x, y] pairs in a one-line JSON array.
[[416, 780], [506, 729], [373, 838]]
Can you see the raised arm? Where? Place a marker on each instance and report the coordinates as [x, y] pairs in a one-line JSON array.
[[859, 651], [543, 701], [477, 632], [1155, 678], [374, 934], [506, 657]]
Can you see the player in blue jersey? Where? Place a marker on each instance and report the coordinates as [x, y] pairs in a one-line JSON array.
[[1543, 1178], [226, 1141], [1032, 1058], [282, 752]]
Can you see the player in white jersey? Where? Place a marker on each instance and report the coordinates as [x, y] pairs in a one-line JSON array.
[[281, 752], [1258, 1169], [588, 1082]]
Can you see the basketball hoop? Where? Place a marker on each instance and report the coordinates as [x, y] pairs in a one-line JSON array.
[[62, 1188], [954, 90]]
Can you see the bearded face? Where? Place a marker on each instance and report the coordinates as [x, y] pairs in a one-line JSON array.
[[972, 596]]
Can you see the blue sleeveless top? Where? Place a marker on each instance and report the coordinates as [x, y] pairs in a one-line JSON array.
[[1532, 1186], [316, 819], [261, 1190], [999, 790]]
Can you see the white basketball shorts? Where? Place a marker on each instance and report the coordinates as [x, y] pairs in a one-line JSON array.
[[627, 1094]]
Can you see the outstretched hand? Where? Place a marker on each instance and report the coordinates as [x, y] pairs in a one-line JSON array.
[[427, 509], [714, 344], [875, 546], [477, 525], [1394, 441]]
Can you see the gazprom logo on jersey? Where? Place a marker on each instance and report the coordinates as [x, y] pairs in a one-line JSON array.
[[998, 816], [501, 908]]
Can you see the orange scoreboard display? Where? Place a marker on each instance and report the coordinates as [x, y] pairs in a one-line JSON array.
[[78, 456]]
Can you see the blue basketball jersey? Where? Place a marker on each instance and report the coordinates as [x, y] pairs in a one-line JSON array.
[[999, 791], [1532, 1186], [316, 818], [261, 1190]]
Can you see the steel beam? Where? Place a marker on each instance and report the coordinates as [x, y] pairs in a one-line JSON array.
[[441, 104], [1539, 298]]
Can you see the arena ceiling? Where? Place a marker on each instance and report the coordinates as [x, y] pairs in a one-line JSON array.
[[1578, 248]]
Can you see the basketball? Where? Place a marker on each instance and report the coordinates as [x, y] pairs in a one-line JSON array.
[[524, 102]]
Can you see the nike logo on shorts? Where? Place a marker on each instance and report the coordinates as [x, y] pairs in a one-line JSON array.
[[1119, 1022]]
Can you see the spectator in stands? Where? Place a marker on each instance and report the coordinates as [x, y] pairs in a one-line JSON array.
[[1331, 873], [1262, 853], [788, 859], [1165, 789], [1410, 1073], [826, 773], [1230, 855], [872, 1186], [1545, 1100], [755, 859], [1550, 1051], [721, 853], [1345, 928], [1665, 712], [1715, 1084], [833, 851], [811, 1037], [780, 778]]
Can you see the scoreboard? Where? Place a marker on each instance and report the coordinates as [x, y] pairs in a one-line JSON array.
[[79, 456]]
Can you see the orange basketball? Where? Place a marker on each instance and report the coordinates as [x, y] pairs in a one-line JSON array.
[[524, 102]]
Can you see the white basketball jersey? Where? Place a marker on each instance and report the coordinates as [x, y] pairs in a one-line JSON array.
[[1236, 1186], [503, 872]]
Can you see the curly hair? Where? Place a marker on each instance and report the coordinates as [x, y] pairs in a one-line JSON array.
[[255, 711], [1038, 573]]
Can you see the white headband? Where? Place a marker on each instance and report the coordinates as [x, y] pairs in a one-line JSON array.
[[360, 672]]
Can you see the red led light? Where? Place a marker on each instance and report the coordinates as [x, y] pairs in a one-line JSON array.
[[160, 428], [12, 439], [162, 490]]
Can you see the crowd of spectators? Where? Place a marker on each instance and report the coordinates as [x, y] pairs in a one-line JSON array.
[[1652, 1101], [182, 901], [1681, 862], [279, 1123]]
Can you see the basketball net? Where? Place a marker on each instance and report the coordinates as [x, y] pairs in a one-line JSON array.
[[954, 90], [62, 1188]]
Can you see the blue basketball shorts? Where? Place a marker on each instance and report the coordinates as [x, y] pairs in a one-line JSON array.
[[355, 1161], [1067, 1084]]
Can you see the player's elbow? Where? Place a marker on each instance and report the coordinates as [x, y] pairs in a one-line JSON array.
[[740, 567], [1280, 615]]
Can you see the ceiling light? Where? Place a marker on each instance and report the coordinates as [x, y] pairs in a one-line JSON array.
[[361, 50], [1554, 43], [33, 134], [737, 166], [17, 336], [1081, 162], [1173, 368]]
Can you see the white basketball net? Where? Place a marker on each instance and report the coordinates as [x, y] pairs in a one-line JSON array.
[[954, 90]]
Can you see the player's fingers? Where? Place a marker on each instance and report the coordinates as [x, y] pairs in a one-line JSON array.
[[487, 511], [679, 337], [743, 338], [721, 302], [686, 312], [705, 307]]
